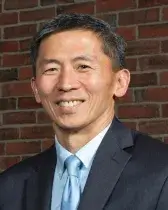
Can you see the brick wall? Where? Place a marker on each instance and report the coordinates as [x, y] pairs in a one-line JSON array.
[[24, 128]]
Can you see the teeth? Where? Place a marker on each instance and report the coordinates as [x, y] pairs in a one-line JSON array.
[[69, 103]]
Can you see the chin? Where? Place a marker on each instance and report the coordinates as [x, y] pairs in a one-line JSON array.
[[70, 126]]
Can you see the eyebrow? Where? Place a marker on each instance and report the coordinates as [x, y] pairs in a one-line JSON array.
[[84, 58], [48, 61], [55, 61]]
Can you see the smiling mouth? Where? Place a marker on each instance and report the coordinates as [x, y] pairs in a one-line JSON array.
[[69, 103]]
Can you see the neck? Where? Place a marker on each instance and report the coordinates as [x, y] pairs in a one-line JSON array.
[[74, 140]]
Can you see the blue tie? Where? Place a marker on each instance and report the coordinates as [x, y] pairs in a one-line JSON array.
[[72, 191]]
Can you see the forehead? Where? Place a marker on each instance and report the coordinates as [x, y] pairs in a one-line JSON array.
[[72, 39]]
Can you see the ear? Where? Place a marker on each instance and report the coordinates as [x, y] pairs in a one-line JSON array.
[[35, 90], [123, 80]]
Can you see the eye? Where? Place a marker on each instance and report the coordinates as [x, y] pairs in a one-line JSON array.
[[83, 67], [51, 71]]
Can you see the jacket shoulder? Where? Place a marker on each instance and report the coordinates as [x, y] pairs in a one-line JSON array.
[[13, 180], [152, 150], [25, 167]]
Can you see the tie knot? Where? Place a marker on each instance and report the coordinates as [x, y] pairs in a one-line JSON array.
[[72, 164]]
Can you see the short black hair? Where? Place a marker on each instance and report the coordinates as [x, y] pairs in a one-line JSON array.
[[113, 45]]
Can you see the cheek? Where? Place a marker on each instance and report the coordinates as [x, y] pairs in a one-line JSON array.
[[92, 86], [98, 84], [46, 86], [92, 81]]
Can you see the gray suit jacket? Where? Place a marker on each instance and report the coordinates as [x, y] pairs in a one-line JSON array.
[[129, 172]]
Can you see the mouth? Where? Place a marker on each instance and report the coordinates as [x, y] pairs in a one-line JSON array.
[[71, 103]]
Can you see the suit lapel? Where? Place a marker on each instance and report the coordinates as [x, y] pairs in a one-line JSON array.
[[107, 167], [38, 188]]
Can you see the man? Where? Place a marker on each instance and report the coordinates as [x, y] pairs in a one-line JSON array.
[[79, 70]]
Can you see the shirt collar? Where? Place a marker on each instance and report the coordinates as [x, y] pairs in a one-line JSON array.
[[62, 155], [85, 154]]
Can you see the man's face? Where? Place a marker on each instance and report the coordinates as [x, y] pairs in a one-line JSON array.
[[75, 82]]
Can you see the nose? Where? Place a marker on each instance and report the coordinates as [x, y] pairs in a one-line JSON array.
[[68, 80]]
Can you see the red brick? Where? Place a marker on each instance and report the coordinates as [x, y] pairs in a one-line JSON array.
[[131, 64], [25, 73], [108, 5], [8, 75], [16, 89], [42, 117], [2, 148], [109, 18], [164, 110], [9, 46], [19, 117], [9, 133], [38, 14], [153, 31], [165, 14], [52, 2], [20, 4], [7, 103], [47, 2], [164, 78], [156, 62], [138, 111], [20, 31], [6, 162], [137, 17], [145, 79], [11, 60], [28, 103], [127, 98], [18, 148], [47, 143], [128, 33], [8, 18], [154, 127], [143, 47], [1, 123], [131, 125], [37, 132], [151, 3], [164, 46], [77, 8], [24, 45], [155, 94]]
